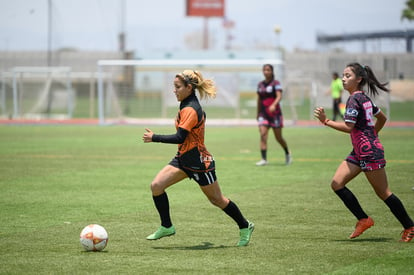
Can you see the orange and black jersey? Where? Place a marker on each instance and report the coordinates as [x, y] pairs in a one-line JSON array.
[[190, 125]]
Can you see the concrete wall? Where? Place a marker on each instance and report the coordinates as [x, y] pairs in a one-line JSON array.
[[300, 67], [319, 66], [79, 61], [314, 65]]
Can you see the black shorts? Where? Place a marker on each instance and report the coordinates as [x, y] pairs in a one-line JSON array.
[[203, 178]]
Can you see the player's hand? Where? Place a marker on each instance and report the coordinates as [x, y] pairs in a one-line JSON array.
[[147, 137], [319, 113], [272, 108]]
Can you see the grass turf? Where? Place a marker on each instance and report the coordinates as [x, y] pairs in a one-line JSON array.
[[54, 180]]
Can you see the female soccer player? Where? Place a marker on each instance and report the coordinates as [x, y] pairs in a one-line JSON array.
[[269, 113], [367, 154], [192, 159]]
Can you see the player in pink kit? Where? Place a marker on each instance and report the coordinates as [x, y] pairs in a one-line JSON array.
[[269, 113], [367, 154]]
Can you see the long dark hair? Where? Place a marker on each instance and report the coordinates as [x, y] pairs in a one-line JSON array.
[[368, 78]]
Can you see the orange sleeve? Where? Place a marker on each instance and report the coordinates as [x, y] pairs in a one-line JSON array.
[[188, 119]]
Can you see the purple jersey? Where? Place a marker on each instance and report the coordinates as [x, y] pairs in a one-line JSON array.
[[267, 95], [360, 110]]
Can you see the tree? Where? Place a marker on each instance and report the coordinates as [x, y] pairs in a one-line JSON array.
[[408, 12]]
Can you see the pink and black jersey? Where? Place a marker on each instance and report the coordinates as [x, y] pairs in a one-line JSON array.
[[267, 95], [360, 110]]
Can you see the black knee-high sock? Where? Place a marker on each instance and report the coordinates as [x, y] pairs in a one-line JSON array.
[[163, 207], [351, 202], [234, 212], [264, 154], [397, 208]]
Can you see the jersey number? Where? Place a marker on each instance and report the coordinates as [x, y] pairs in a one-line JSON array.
[[369, 116]]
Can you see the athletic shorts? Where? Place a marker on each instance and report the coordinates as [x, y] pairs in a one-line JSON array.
[[203, 178], [275, 122], [366, 164]]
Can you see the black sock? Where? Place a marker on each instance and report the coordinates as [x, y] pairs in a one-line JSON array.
[[351, 202], [264, 154], [163, 207], [234, 212], [397, 208], [286, 151]]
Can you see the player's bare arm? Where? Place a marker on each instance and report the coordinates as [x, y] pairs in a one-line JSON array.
[[381, 119], [320, 114]]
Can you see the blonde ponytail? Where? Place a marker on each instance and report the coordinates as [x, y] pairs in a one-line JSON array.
[[206, 87]]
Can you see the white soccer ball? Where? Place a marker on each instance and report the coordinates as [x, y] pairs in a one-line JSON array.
[[94, 237]]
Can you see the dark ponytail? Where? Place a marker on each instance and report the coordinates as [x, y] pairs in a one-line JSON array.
[[368, 78]]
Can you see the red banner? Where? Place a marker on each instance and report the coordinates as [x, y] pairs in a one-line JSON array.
[[206, 8]]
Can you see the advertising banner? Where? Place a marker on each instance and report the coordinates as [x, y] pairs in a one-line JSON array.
[[205, 8]]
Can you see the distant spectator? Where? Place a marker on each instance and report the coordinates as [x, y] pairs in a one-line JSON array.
[[336, 94]]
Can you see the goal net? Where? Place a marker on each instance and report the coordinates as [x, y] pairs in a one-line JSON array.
[[42, 92], [142, 90]]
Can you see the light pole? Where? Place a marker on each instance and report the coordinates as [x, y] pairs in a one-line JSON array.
[[49, 33], [277, 29], [279, 54]]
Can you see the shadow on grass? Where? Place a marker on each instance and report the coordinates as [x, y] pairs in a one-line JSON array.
[[203, 246], [274, 164], [370, 240], [96, 251]]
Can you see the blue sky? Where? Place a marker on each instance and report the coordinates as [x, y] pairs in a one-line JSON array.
[[162, 24]]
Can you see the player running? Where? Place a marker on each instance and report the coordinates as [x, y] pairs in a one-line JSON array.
[[368, 153], [192, 159]]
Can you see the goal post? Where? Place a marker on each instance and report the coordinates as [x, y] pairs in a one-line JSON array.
[[150, 87]]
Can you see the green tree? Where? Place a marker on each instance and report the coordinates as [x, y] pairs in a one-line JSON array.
[[408, 12]]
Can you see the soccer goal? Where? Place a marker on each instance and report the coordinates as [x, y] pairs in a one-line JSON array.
[[42, 92], [142, 90]]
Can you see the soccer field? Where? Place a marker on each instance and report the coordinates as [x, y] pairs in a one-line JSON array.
[[54, 180]]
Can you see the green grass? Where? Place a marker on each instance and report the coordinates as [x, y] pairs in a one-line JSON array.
[[54, 180]]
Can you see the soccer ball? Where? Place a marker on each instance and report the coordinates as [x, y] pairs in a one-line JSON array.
[[94, 237]]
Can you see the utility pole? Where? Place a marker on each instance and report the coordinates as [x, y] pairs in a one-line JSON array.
[[49, 33], [49, 54], [121, 35]]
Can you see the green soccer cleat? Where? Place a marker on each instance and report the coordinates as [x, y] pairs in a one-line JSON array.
[[162, 232], [245, 235]]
